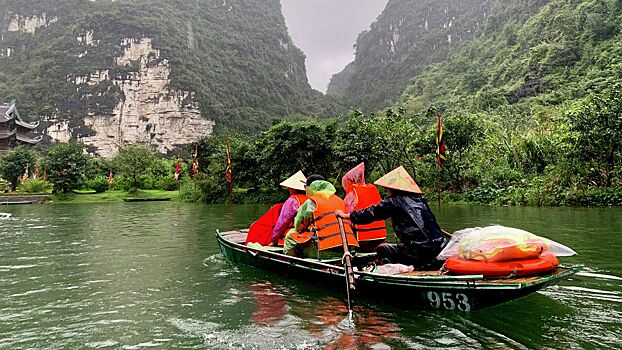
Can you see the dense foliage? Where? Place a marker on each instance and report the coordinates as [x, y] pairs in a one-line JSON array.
[[14, 163], [134, 161], [66, 166], [236, 57]]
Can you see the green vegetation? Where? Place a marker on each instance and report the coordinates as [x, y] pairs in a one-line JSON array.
[[66, 166], [14, 163], [561, 161]]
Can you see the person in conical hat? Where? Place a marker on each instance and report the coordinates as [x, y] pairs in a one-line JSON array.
[[297, 195], [420, 237]]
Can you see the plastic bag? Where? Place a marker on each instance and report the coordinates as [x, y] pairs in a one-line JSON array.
[[393, 269], [500, 243]]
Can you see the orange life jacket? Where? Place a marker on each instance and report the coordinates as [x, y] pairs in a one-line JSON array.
[[367, 196], [301, 198], [325, 227]]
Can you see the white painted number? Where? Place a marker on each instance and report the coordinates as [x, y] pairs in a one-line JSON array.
[[449, 301], [435, 301], [463, 302]]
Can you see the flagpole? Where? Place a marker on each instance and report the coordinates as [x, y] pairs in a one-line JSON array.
[[440, 155], [438, 183], [109, 183]]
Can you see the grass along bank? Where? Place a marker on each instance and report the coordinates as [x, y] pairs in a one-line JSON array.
[[112, 196]]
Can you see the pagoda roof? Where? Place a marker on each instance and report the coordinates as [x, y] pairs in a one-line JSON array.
[[8, 112], [30, 140], [5, 118], [26, 125], [7, 134]]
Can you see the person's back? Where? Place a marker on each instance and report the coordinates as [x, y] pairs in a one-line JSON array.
[[421, 238], [414, 222], [316, 226]]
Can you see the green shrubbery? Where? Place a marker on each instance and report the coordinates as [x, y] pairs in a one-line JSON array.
[[32, 186]]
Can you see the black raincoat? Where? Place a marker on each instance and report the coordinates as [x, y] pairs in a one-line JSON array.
[[421, 239]]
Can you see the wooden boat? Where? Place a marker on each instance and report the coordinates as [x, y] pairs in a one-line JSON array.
[[155, 199], [425, 289], [16, 202]]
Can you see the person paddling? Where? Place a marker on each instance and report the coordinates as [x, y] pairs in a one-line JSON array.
[[297, 196], [421, 238], [316, 227]]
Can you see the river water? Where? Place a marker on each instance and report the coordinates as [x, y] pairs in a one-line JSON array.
[[150, 275]]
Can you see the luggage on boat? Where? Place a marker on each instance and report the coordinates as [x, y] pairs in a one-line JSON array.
[[499, 243], [498, 251]]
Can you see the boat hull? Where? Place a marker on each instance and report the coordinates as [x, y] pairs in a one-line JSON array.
[[439, 292]]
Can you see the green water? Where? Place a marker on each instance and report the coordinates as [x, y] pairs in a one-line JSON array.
[[150, 275]]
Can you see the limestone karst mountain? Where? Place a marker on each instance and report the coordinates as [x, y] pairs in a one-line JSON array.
[[153, 72]]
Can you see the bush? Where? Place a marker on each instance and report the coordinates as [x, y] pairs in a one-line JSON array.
[[32, 186], [167, 183], [99, 184]]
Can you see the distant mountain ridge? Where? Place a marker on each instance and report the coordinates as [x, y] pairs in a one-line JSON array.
[[152, 72], [480, 55]]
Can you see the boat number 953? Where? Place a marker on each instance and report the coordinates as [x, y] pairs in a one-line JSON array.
[[449, 301]]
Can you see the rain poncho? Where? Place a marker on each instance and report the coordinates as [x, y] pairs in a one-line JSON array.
[[286, 218], [304, 217], [421, 238], [356, 176]]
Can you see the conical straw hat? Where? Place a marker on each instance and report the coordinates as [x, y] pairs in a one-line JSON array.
[[399, 179], [295, 181]]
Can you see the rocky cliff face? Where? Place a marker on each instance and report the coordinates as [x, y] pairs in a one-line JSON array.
[[114, 72], [150, 112]]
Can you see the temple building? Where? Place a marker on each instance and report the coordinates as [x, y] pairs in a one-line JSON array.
[[13, 130]]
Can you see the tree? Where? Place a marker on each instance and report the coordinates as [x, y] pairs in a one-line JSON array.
[[13, 164], [134, 161], [297, 146], [461, 133], [596, 134], [66, 166]]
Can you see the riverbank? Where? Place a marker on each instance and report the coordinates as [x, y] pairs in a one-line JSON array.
[[112, 196], [513, 196]]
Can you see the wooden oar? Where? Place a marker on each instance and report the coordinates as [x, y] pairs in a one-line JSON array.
[[347, 265], [446, 234]]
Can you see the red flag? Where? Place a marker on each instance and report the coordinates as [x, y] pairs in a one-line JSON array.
[[229, 170], [441, 153], [110, 178], [177, 171], [195, 163]]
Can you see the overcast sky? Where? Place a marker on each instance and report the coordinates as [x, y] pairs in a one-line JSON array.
[[326, 31]]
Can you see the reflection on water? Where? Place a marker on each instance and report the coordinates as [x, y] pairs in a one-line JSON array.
[[150, 275]]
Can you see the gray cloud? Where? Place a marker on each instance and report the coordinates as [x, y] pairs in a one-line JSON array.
[[326, 31]]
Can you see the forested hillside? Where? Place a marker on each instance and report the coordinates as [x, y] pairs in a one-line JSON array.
[[529, 91], [232, 62], [483, 54]]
